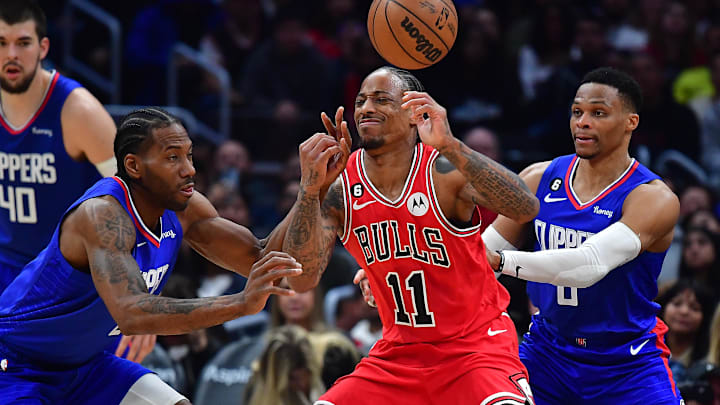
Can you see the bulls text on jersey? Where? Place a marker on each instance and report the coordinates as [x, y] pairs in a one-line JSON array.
[[375, 242]]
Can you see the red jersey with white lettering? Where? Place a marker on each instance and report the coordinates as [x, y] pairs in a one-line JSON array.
[[431, 279]]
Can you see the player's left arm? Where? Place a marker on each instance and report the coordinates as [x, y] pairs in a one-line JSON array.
[[89, 131], [649, 215], [493, 186]]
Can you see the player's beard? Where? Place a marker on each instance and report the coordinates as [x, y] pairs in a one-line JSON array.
[[22, 85], [371, 142]]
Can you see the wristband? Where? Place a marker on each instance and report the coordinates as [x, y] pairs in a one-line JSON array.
[[502, 262]]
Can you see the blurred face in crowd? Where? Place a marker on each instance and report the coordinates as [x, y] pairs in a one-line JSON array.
[[704, 219], [683, 314], [298, 308], [600, 122], [694, 199], [698, 251], [20, 52], [379, 117]]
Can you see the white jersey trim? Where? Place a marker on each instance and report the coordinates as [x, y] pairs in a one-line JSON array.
[[572, 176], [409, 180], [137, 214], [435, 205]]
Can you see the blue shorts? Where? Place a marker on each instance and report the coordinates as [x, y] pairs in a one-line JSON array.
[[103, 380], [561, 372]]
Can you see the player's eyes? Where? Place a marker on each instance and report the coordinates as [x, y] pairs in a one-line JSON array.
[[359, 102], [599, 113], [577, 113]]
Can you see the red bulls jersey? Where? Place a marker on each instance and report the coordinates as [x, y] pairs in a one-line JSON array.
[[431, 280]]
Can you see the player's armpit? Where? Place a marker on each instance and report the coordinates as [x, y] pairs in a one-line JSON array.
[[651, 211]]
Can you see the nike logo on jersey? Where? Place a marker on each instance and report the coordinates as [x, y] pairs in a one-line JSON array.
[[549, 199], [636, 350], [495, 332], [358, 207], [141, 243]]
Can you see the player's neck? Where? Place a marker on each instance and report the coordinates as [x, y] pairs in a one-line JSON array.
[[594, 175], [19, 108], [150, 212], [388, 168]]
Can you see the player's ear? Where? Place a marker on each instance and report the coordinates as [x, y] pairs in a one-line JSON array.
[[44, 47], [132, 164], [633, 120]]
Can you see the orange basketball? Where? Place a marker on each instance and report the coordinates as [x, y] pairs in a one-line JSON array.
[[412, 34]]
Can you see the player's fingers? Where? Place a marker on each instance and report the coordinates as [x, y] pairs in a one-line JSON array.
[[322, 144], [345, 132], [134, 348], [272, 255], [359, 276], [281, 291], [122, 345], [328, 124], [147, 347], [275, 274], [339, 116]]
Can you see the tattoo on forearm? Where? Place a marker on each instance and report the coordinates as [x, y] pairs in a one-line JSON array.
[[163, 305], [500, 188]]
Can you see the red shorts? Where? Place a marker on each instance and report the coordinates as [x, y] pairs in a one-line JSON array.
[[482, 371]]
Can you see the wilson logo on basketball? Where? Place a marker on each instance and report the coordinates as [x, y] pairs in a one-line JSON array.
[[423, 46]]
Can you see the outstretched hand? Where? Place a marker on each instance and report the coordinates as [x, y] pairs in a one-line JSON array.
[[264, 275], [433, 130]]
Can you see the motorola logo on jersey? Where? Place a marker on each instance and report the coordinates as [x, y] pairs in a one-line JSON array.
[[552, 236], [418, 204], [376, 245]]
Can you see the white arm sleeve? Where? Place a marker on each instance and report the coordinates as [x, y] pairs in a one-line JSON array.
[[581, 267], [494, 241], [107, 168]]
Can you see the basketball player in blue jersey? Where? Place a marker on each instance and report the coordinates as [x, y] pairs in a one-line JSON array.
[[102, 271], [55, 142], [604, 225]]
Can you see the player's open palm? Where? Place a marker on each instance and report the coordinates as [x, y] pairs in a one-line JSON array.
[[429, 117], [264, 275], [315, 155]]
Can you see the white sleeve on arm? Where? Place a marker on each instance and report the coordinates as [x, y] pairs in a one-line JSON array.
[[581, 267], [494, 241], [107, 168]]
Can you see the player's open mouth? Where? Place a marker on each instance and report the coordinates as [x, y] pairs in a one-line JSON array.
[[584, 139], [12, 71], [369, 121]]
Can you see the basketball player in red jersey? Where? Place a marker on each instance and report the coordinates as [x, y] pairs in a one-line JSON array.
[[407, 212]]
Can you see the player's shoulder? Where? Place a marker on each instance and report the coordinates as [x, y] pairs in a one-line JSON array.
[[653, 191], [533, 173], [96, 215], [81, 101]]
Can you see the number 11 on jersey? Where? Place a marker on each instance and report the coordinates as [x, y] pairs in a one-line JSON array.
[[415, 282]]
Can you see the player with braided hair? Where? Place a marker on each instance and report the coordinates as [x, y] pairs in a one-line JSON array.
[[106, 263]]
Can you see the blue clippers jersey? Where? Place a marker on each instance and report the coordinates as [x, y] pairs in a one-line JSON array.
[[51, 313], [38, 179], [618, 307]]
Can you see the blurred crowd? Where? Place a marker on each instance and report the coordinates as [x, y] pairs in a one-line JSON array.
[[507, 85]]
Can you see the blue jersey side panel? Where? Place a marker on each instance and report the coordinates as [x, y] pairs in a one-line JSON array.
[[38, 179], [51, 313], [619, 307]]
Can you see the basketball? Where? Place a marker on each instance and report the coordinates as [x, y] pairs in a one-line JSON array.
[[412, 34]]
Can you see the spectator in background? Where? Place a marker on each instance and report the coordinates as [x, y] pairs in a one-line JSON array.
[[232, 162], [686, 309], [694, 86], [286, 82], [288, 372], [485, 141], [702, 218], [590, 46], [663, 118], [694, 198], [700, 257], [673, 43]]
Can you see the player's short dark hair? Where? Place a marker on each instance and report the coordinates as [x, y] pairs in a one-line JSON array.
[[134, 129], [19, 11], [410, 82], [628, 89]]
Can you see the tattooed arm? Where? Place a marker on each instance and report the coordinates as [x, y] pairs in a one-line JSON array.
[[313, 227], [495, 187], [100, 234]]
